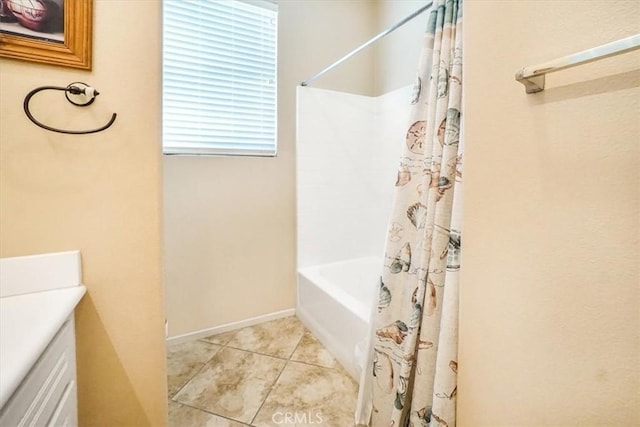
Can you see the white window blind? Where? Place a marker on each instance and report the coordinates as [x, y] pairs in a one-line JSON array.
[[219, 77]]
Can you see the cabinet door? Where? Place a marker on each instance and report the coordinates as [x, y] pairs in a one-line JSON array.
[[66, 414], [37, 398]]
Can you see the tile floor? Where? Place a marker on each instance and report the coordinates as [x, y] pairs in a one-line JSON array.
[[272, 374]]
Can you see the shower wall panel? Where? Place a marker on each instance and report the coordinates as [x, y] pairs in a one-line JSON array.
[[347, 150]]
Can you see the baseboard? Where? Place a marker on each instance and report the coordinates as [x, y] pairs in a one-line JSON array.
[[227, 327]]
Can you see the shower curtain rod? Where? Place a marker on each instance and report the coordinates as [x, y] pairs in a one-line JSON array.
[[370, 42]]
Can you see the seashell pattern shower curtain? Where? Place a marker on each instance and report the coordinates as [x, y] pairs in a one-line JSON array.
[[412, 375]]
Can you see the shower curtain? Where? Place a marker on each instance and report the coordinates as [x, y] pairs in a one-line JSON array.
[[410, 379]]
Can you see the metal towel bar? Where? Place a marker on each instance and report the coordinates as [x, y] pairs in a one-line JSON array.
[[533, 77]]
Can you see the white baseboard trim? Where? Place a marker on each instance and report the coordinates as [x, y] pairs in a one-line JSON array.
[[227, 327]]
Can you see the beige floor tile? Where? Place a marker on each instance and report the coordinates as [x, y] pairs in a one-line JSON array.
[[310, 350], [184, 416], [311, 395], [275, 338], [184, 360], [234, 383], [221, 339]]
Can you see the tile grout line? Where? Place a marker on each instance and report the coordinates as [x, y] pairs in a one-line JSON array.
[[196, 373], [313, 365], [212, 413], [297, 345], [286, 359], [309, 363], [268, 394], [226, 345], [277, 378], [223, 346]]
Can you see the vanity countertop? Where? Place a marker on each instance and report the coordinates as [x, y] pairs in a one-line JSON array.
[[38, 293], [28, 322]]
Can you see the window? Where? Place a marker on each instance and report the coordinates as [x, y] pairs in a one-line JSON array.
[[219, 77]]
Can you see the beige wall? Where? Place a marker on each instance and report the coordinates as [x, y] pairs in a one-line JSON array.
[[229, 226], [100, 194], [549, 305], [396, 55], [549, 332]]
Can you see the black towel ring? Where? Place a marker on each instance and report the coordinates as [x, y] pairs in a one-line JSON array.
[[75, 88]]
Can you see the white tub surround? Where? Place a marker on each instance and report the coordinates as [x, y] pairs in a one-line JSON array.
[[347, 153], [37, 297], [335, 302]]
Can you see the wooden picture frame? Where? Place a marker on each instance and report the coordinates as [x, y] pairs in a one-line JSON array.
[[71, 48]]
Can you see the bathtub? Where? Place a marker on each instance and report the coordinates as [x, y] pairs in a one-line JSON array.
[[335, 302]]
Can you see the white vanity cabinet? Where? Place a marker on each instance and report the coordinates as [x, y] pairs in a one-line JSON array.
[[38, 295], [47, 395]]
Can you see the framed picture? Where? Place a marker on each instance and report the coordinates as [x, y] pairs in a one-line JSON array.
[[49, 31]]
